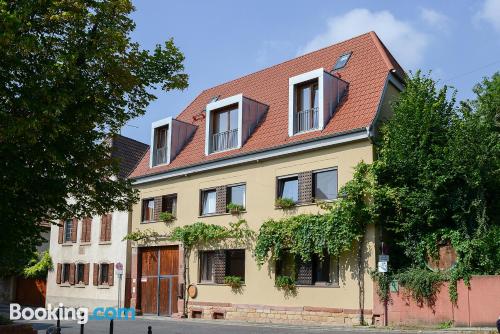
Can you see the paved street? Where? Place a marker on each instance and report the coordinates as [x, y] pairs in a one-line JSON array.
[[179, 326]]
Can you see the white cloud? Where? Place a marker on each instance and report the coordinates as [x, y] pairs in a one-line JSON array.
[[490, 12], [404, 42], [434, 19]]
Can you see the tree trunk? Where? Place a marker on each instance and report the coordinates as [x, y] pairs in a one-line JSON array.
[[186, 255], [361, 281]]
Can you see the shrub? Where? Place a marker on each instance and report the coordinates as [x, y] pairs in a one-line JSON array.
[[285, 203]]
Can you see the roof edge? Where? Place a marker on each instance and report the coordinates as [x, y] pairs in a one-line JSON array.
[[301, 146]]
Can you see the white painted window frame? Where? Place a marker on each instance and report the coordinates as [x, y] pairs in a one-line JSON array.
[[213, 106], [162, 122], [298, 79]]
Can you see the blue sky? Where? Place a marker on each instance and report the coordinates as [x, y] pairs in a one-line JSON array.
[[458, 40]]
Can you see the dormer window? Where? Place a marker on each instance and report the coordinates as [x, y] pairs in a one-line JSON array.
[[225, 128], [313, 98], [168, 137], [307, 106], [230, 121], [160, 145]]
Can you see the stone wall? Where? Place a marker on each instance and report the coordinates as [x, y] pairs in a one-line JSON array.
[[277, 314]]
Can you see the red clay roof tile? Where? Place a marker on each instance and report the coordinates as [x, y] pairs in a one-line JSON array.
[[366, 73]]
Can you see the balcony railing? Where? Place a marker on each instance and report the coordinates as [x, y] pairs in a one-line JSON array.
[[307, 120], [224, 140], [160, 156]]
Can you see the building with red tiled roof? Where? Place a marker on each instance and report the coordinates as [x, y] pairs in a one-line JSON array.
[[292, 131]]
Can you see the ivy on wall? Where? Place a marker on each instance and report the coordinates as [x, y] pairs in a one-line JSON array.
[[334, 231]]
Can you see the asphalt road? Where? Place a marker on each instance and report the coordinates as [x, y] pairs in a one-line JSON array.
[[184, 326]]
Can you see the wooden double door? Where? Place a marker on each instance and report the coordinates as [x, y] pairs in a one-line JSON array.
[[159, 280]]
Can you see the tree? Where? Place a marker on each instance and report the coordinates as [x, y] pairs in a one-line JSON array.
[[438, 180], [70, 78]]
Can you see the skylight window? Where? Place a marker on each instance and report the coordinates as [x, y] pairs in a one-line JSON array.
[[342, 61]]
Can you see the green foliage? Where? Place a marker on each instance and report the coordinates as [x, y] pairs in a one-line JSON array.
[[38, 266], [235, 208], [145, 236], [383, 281], [286, 283], [284, 203], [446, 324], [422, 284], [343, 222], [70, 78], [166, 217], [437, 176], [235, 282]]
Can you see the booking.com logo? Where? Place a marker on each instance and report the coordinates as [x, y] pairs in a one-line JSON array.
[[81, 314]]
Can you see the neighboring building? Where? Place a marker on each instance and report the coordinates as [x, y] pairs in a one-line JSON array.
[[292, 130], [85, 252]]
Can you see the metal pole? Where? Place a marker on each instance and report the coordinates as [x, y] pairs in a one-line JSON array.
[[149, 330], [58, 324], [119, 289], [111, 326], [81, 328]]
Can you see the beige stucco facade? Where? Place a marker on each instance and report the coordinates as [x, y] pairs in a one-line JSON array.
[[260, 179]]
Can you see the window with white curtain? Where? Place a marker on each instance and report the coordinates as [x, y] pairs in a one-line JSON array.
[[208, 202]]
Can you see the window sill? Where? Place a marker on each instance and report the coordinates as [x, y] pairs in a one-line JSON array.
[[159, 165], [148, 222], [329, 286], [222, 151], [85, 243], [214, 215], [104, 242], [216, 284], [80, 285], [103, 286], [307, 131], [65, 285], [66, 244], [314, 203]]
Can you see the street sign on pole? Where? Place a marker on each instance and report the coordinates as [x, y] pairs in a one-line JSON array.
[[383, 258], [382, 266]]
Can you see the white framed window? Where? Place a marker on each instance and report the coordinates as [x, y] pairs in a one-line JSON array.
[[160, 142], [313, 97], [224, 123]]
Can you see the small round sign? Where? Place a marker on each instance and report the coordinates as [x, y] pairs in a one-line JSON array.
[[119, 266], [192, 291]]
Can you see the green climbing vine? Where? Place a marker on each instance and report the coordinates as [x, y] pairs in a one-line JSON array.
[[334, 231]]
